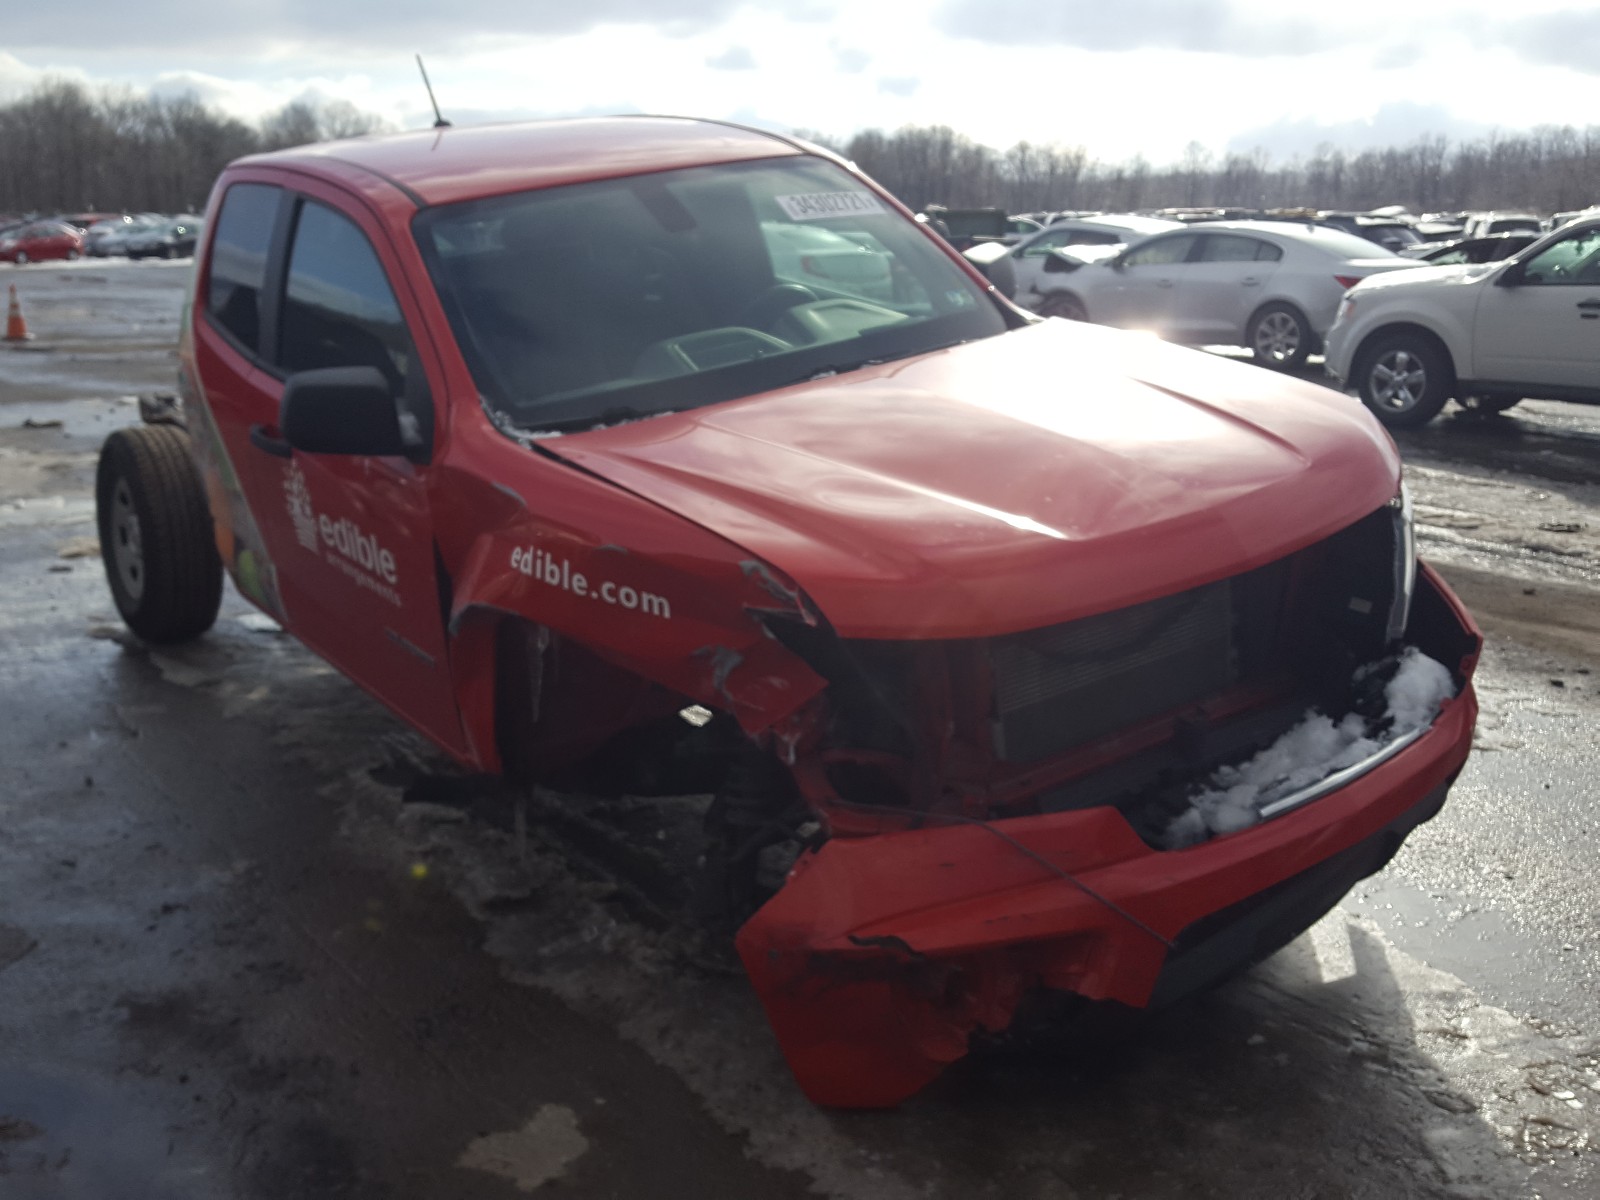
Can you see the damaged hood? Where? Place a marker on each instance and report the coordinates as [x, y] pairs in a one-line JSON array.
[[1035, 477]]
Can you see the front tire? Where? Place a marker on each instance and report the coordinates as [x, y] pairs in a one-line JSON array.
[[156, 535], [1065, 306], [1405, 379], [1279, 336]]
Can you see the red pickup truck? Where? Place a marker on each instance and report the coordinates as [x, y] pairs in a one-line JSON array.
[[1032, 656]]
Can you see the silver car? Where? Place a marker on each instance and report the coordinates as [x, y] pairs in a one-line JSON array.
[[1110, 229], [1271, 286]]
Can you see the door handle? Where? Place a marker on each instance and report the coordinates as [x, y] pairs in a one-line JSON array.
[[1250, 281], [1163, 283], [263, 438], [1589, 304]]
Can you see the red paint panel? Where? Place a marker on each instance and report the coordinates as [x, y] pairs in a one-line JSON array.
[[1037, 477], [844, 956], [446, 165]]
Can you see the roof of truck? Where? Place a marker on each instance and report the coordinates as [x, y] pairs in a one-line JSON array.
[[444, 165]]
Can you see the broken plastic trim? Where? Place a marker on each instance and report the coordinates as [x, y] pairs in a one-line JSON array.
[[1405, 563], [959, 819], [1342, 777]]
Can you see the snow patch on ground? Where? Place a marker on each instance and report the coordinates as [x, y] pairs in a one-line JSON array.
[[1314, 749], [533, 1155]]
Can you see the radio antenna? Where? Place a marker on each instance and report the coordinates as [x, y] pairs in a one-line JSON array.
[[438, 121]]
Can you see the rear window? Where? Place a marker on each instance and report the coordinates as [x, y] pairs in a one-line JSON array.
[[1219, 247], [1339, 244], [237, 269]]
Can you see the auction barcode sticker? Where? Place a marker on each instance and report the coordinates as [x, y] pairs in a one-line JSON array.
[[817, 205]]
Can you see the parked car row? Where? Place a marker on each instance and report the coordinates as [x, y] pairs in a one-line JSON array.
[[1484, 320], [145, 235], [1272, 287]]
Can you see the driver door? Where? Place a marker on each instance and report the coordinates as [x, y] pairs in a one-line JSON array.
[[1142, 289], [349, 538], [1544, 330]]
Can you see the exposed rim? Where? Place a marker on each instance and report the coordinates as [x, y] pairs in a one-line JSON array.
[[127, 546], [1278, 337], [1397, 380]]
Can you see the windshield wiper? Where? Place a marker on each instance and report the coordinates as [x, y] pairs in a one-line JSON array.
[[832, 369], [619, 415]]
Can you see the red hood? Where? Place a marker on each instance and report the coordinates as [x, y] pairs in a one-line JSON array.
[[1036, 477]]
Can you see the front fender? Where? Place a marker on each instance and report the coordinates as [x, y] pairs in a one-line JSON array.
[[636, 585]]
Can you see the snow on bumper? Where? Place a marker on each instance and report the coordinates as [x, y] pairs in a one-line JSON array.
[[883, 954]]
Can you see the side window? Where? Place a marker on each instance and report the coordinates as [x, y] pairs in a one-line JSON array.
[[1573, 260], [338, 308], [1222, 247], [1043, 245], [237, 269], [1161, 251], [1267, 252]]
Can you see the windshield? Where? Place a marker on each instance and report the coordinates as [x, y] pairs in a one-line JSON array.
[[604, 301]]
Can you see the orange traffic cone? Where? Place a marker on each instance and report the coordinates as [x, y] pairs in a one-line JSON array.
[[16, 326]]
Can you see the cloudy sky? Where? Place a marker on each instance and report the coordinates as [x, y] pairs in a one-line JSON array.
[[1121, 77]]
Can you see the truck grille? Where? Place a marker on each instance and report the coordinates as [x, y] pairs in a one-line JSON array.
[[1065, 685]]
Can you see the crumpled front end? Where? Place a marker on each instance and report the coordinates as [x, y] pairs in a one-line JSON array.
[[1034, 825]]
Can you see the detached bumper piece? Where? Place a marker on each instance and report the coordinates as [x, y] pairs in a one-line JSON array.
[[883, 954]]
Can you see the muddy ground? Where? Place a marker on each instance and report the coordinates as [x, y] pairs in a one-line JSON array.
[[250, 946]]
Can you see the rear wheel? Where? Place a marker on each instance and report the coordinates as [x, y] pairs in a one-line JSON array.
[[156, 536], [22, 258], [1063, 305], [1279, 336], [1404, 379], [72, 255]]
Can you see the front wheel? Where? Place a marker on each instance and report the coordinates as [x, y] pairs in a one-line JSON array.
[[1279, 336], [1062, 305], [1405, 380], [156, 535], [22, 258]]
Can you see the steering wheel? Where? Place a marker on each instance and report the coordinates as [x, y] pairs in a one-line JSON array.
[[773, 303]]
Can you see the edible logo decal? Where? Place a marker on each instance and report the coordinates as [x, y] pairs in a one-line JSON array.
[[341, 543], [538, 563]]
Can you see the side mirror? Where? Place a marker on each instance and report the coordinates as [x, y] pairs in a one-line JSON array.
[[341, 410], [994, 260], [1514, 275]]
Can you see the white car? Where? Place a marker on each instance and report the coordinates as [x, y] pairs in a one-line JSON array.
[[1487, 335], [1484, 224], [1028, 256], [807, 254], [1272, 286]]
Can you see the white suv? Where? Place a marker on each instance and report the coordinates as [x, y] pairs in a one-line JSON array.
[[1487, 334]]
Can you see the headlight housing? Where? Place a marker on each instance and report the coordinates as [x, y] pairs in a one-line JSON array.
[[1405, 562]]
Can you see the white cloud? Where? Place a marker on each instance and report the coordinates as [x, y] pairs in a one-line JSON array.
[[734, 58], [1359, 68]]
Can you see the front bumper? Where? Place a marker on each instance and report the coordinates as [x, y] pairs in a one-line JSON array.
[[883, 954]]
